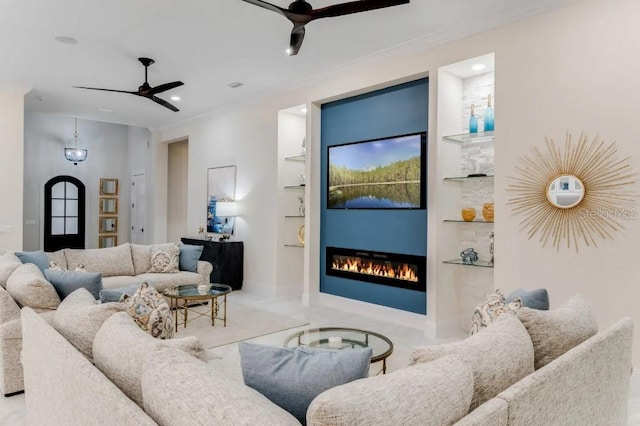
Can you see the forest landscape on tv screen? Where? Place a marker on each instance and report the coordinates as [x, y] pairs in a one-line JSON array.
[[377, 174]]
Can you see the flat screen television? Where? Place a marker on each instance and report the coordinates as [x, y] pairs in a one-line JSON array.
[[386, 173]]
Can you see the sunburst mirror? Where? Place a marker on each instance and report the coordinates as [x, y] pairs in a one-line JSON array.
[[575, 195]]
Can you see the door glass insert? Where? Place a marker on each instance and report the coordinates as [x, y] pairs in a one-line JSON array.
[[64, 209]]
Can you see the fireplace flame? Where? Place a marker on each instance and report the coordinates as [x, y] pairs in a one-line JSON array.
[[398, 271]]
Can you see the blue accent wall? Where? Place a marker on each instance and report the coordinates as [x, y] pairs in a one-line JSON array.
[[396, 110]]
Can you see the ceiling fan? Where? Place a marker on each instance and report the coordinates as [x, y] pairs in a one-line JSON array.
[[146, 91], [301, 13]]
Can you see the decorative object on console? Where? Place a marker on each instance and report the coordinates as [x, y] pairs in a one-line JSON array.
[[468, 214], [469, 255], [75, 153], [493, 306], [150, 311], [573, 195], [473, 121], [487, 212], [488, 116], [227, 212]]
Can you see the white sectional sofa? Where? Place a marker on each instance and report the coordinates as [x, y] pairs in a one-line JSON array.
[[120, 266], [586, 385]]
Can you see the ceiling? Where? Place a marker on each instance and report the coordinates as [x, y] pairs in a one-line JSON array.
[[208, 44]]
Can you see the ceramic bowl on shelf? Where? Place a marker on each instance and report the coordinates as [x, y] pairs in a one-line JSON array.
[[487, 212], [468, 214]]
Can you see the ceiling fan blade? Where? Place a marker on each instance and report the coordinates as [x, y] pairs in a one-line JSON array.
[[268, 6], [164, 87], [105, 90], [354, 7], [297, 37], [162, 102]]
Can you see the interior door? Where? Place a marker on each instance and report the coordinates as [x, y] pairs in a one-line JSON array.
[[64, 213], [138, 208]]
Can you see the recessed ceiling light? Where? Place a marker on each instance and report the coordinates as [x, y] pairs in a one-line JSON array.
[[289, 51], [66, 39], [235, 84], [478, 67], [304, 110], [175, 98], [40, 99]]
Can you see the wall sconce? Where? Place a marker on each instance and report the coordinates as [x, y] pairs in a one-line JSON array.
[[227, 210]]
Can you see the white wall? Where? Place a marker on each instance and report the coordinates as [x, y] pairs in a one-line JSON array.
[[11, 167], [571, 69], [178, 169], [45, 136]]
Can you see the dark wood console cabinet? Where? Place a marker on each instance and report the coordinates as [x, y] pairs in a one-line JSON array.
[[226, 258]]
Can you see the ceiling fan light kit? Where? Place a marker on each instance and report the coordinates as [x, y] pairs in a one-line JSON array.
[[300, 13], [146, 90]]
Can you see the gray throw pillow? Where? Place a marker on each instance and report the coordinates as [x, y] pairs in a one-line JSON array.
[[66, 282], [189, 256], [38, 258], [292, 377], [114, 294], [534, 299]]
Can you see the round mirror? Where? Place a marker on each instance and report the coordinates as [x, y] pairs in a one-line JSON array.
[[565, 191]]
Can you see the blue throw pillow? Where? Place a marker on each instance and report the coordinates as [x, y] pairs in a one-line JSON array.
[[189, 256], [66, 282], [534, 299], [292, 377], [38, 258], [114, 294]]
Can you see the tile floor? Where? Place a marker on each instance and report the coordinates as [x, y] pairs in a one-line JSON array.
[[404, 338]]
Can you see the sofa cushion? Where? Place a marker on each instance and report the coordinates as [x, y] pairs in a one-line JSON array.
[[29, 288], [488, 311], [165, 258], [38, 258], [432, 393], [79, 317], [141, 255], [120, 347], [9, 309], [66, 282], [293, 377], [150, 311], [500, 355], [556, 331], [534, 299], [206, 398], [8, 264], [189, 256], [108, 261], [58, 258]]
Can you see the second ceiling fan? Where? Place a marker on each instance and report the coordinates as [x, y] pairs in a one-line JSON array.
[[301, 13]]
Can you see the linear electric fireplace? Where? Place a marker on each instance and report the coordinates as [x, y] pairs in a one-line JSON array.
[[392, 269]]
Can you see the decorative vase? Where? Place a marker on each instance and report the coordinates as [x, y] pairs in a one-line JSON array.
[[488, 117], [487, 212], [468, 214], [473, 121]]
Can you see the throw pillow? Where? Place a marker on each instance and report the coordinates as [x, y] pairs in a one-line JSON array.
[[8, 264], [79, 317], [150, 311], [165, 259], [556, 331], [534, 299], [66, 282], [493, 306], [58, 258], [38, 258], [29, 288], [189, 256], [432, 393], [219, 401], [293, 377], [115, 294], [500, 355], [120, 348]]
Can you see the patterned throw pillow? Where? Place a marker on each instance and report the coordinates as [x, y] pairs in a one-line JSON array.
[[492, 307], [150, 311], [165, 258]]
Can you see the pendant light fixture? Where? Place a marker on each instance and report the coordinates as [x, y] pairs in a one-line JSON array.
[[75, 153]]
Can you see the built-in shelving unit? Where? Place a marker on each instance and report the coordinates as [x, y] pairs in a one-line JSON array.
[[467, 221]]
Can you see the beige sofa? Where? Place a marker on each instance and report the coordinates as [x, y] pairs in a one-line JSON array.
[[120, 266], [587, 385]]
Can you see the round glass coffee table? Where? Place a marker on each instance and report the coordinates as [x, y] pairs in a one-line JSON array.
[[183, 295], [344, 338]]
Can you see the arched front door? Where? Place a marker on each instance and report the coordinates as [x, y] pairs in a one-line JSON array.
[[63, 213]]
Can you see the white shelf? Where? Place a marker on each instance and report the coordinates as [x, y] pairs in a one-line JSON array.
[[300, 157], [470, 137]]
